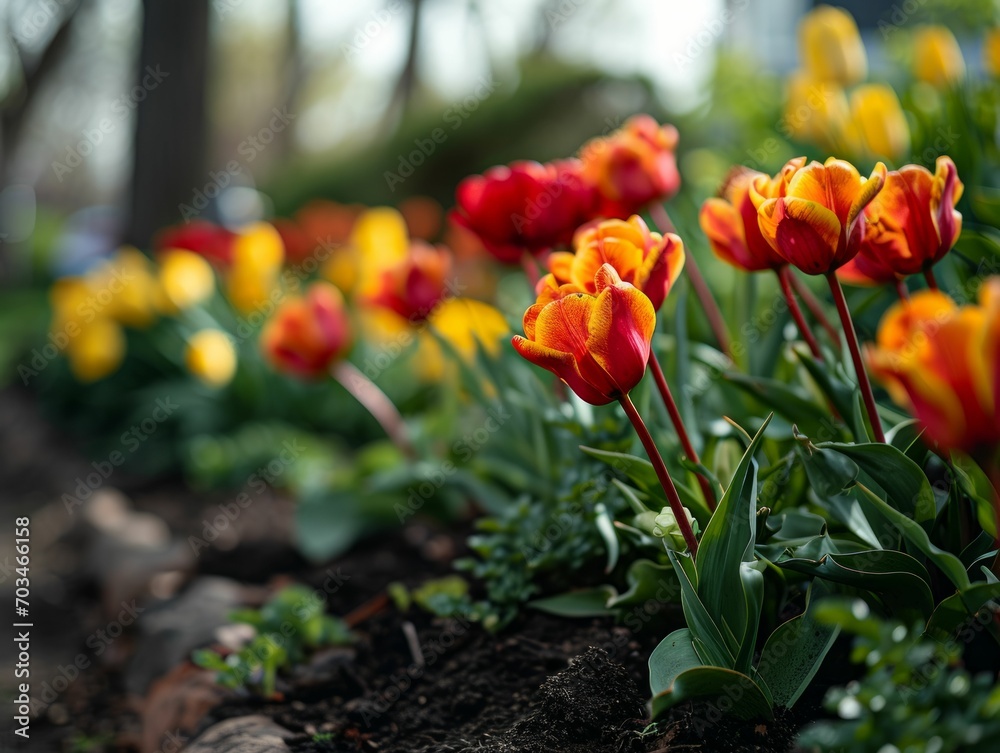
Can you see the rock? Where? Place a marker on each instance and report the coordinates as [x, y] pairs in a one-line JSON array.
[[176, 705], [242, 734]]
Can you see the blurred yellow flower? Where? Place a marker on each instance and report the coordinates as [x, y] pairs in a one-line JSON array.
[[342, 269], [830, 46], [186, 278], [878, 121], [72, 304], [937, 58], [382, 240], [815, 111], [991, 52], [465, 324], [258, 253], [124, 288], [98, 349], [211, 357]]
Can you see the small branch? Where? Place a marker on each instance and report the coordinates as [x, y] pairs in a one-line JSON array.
[[366, 392], [662, 474], [701, 289], [859, 366], [784, 275], [678, 422]]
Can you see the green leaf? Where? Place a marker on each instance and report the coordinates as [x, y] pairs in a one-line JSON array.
[[795, 651], [900, 580], [727, 543], [606, 528], [903, 481], [809, 416], [713, 685], [648, 580], [588, 602], [958, 610], [708, 638], [673, 655], [948, 563], [829, 472]]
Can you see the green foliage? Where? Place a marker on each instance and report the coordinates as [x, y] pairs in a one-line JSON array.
[[914, 695], [288, 628]]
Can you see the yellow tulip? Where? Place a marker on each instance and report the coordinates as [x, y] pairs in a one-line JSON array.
[[880, 124], [991, 52], [815, 111], [342, 269], [187, 279], [124, 288], [69, 298], [937, 58], [382, 240], [211, 357], [830, 46], [258, 253], [98, 350]]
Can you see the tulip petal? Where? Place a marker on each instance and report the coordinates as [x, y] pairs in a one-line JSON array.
[[660, 269], [869, 189], [562, 365], [621, 329], [803, 232]]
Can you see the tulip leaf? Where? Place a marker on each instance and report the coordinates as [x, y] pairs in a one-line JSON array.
[[795, 651], [829, 472], [714, 685], [809, 416], [708, 637], [673, 655], [648, 581], [588, 602], [841, 393], [959, 610], [727, 543], [948, 563], [899, 580], [606, 528], [903, 481]]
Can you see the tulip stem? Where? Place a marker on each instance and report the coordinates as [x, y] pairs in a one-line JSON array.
[[366, 392], [784, 277], [931, 279], [678, 422], [530, 266], [814, 306], [701, 289], [662, 474], [859, 366], [902, 291]]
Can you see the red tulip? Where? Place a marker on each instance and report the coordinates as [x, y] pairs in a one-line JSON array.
[[415, 286], [307, 335], [598, 345], [214, 242], [525, 207]]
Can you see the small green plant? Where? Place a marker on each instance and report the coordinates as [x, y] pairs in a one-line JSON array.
[[287, 628], [914, 694]]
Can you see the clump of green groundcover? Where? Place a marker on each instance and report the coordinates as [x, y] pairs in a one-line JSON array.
[[915, 696]]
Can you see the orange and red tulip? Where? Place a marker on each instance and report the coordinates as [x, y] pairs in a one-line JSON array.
[[911, 224], [598, 345], [632, 167], [815, 225], [414, 287], [526, 207], [943, 362], [307, 335]]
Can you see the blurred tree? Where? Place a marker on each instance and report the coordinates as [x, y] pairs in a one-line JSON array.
[[170, 127]]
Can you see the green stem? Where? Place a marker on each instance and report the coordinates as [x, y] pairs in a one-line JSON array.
[[814, 306], [679, 427], [859, 366], [661, 473]]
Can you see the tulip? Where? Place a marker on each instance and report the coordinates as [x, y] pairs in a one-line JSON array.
[[213, 242], [598, 345], [830, 46], [942, 361], [816, 111], [97, 350], [257, 256], [730, 223], [423, 215], [815, 227], [211, 357], [937, 58], [124, 288], [525, 208], [414, 287], [186, 279], [991, 52], [308, 334], [912, 223], [632, 167], [878, 122]]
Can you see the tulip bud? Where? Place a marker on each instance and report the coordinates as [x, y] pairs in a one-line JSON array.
[[306, 335], [830, 46], [665, 527], [879, 122], [211, 357], [937, 58]]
